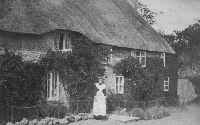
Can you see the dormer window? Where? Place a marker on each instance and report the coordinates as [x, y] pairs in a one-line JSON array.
[[64, 42], [107, 56]]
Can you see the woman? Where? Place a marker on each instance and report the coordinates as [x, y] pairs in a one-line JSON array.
[[99, 105]]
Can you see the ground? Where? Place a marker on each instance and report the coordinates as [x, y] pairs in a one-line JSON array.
[[187, 116]]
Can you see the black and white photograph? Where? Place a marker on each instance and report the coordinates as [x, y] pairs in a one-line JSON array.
[[99, 62]]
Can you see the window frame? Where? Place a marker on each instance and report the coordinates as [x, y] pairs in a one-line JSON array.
[[119, 87], [108, 57], [66, 40], [142, 54], [166, 85], [163, 56], [53, 82]]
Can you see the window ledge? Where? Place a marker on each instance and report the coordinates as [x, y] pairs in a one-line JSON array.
[[65, 50], [52, 99]]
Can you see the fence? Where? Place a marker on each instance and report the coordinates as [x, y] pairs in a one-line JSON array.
[[48, 110], [16, 113]]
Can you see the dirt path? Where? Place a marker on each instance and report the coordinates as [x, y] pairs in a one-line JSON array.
[[189, 116]]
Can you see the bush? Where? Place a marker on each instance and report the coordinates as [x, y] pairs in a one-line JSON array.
[[137, 112], [156, 112], [39, 111], [52, 110], [22, 81], [115, 102], [120, 111], [53, 121]]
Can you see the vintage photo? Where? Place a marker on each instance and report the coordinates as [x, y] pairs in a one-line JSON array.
[[104, 62]]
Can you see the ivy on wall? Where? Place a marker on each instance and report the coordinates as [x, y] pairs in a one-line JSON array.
[[143, 83], [80, 69], [20, 81]]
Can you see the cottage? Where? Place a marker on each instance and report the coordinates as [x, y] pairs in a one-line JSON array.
[[31, 28]]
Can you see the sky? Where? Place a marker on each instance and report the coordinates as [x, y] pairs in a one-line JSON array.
[[174, 14]]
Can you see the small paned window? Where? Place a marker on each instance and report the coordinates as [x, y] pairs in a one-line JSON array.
[[166, 84], [52, 86], [119, 83], [64, 42], [141, 56]]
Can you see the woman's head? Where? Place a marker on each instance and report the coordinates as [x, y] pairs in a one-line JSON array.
[[101, 80]]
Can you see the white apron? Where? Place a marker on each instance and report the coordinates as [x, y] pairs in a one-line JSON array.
[[99, 105]]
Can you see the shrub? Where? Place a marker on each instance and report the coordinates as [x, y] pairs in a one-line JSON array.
[[52, 110], [115, 102], [156, 112], [120, 111], [21, 80], [39, 111], [137, 112], [53, 121]]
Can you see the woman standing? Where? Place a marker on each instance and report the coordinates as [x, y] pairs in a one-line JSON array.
[[99, 105]]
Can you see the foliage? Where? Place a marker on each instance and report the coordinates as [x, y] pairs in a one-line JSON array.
[[137, 112], [21, 81], [79, 70], [146, 13], [114, 101], [4, 7], [196, 84], [52, 110], [156, 112], [185, 39], [39, 111], [144, 82], [52, 120], [186, 44]]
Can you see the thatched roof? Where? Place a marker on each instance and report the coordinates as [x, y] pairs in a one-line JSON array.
[[113, 22]]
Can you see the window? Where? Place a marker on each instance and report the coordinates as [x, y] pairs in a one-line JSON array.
[[107, 56], [166, 84], [64, 42], [141, 56], [163, 56], [119, 84], [52, 86]]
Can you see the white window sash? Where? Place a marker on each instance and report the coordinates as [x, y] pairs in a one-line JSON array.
[[110, 56], [166, 85], [133, 53], [52, 96], [163, 56], [145, 58], [48, 85], [119, 84], [142, 54], [66, 41]]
